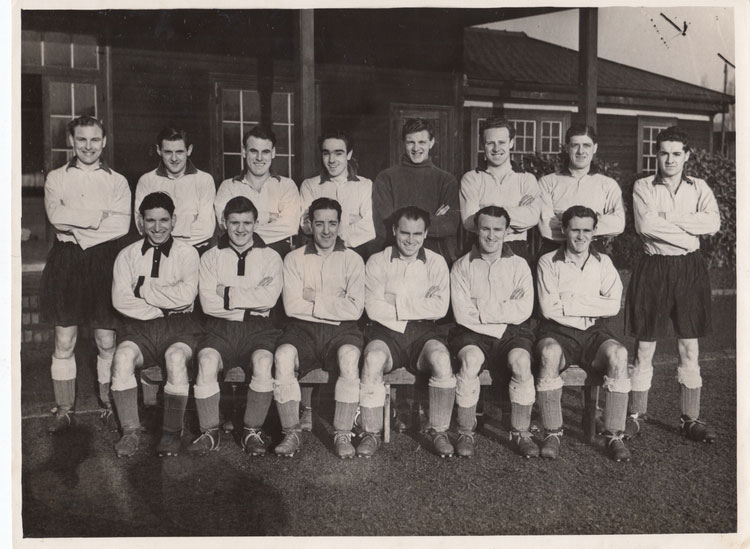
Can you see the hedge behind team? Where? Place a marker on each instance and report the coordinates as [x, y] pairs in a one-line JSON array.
[[406, 224]]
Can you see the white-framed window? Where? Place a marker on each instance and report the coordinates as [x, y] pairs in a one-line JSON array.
[[525, 140], [67, 100], [56, 49], [240, 112], [551, 136], [648, 148]]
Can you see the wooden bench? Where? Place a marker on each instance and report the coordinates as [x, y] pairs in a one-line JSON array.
[[573, 376]]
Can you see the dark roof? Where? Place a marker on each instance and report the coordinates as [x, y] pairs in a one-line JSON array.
[[518, 61]]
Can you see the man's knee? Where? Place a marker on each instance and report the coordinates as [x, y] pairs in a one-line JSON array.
[[124, 361], [285, 358], [519, 361], [262, 362], [550, 358], [617, 361], [106, 341], [471, 358], [176, 358], [375, 361], [209, 364], [65, 341], [348, 359], [439, 359]]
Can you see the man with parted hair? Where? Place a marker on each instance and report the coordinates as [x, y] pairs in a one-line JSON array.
[[497, 184], [155, 283], [339, 180], [323, 294], [670, 290], [578, 288], [418, 182], [240, 281], [579, 183], [407, 290], [88, 206], [192, 190], [276, 197], [492, 293]]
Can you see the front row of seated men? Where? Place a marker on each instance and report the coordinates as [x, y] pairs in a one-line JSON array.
[[405, 289]]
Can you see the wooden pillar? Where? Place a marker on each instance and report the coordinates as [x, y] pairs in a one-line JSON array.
[[305, 140], [587, 65], [260, 28]]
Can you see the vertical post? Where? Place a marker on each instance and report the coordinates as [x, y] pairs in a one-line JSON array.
[[260, 29], [587, 64], [305, 111], [723, 117]]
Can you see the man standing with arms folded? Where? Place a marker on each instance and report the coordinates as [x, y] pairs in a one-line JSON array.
[[670, 286], [492, 293], [88, 206], [338, 180], [407, 290], [578, 183], [416, 181], [578, 288], [276, 197], [240, 281], [499, 185], [193, 191], [324, 294], [155, 286]]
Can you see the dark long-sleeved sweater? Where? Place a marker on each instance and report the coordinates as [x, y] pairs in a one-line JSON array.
[[425, 186]]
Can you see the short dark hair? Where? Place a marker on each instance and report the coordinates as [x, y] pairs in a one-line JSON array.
[[580, 129], [324, 203], [172, 133], [336, 134], [673, 133], [497, 122], [259, 132], [578, 211], [414, 125], [412, 213], [156, 200], [83, 121], [240, 204], [492, 211]]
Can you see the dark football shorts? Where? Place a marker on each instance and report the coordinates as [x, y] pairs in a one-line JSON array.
[[579, 346], [317, 344], [236, 341], [405, 348], [495, 350], [667, 296]]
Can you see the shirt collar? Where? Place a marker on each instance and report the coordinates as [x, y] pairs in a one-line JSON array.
[[560, 254], [190, 169], [241, 177], [163, 248], [224, 242], [325, 176], [659, 181], [396, 254], [311, 249], [593, 170], [476, 254], [73, 163]]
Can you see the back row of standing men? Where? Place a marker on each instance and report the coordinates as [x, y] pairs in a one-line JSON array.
[[406, 279]]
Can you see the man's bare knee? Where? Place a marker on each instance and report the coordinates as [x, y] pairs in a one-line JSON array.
[[285, 359], [209, 364], [106, 341], [348, 359], [519, 362], [471, 359]]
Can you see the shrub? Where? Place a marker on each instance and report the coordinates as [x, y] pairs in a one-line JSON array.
[[720, 174]]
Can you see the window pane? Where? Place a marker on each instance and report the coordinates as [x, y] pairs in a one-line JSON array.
[[56, 50], [31, 48], [85, 55], [280, 165], [84, 96], [58, 128], [230, 104], [250, 106], [232, 137], [282, 139], [279, 106], [232, 165], [60, 98]]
